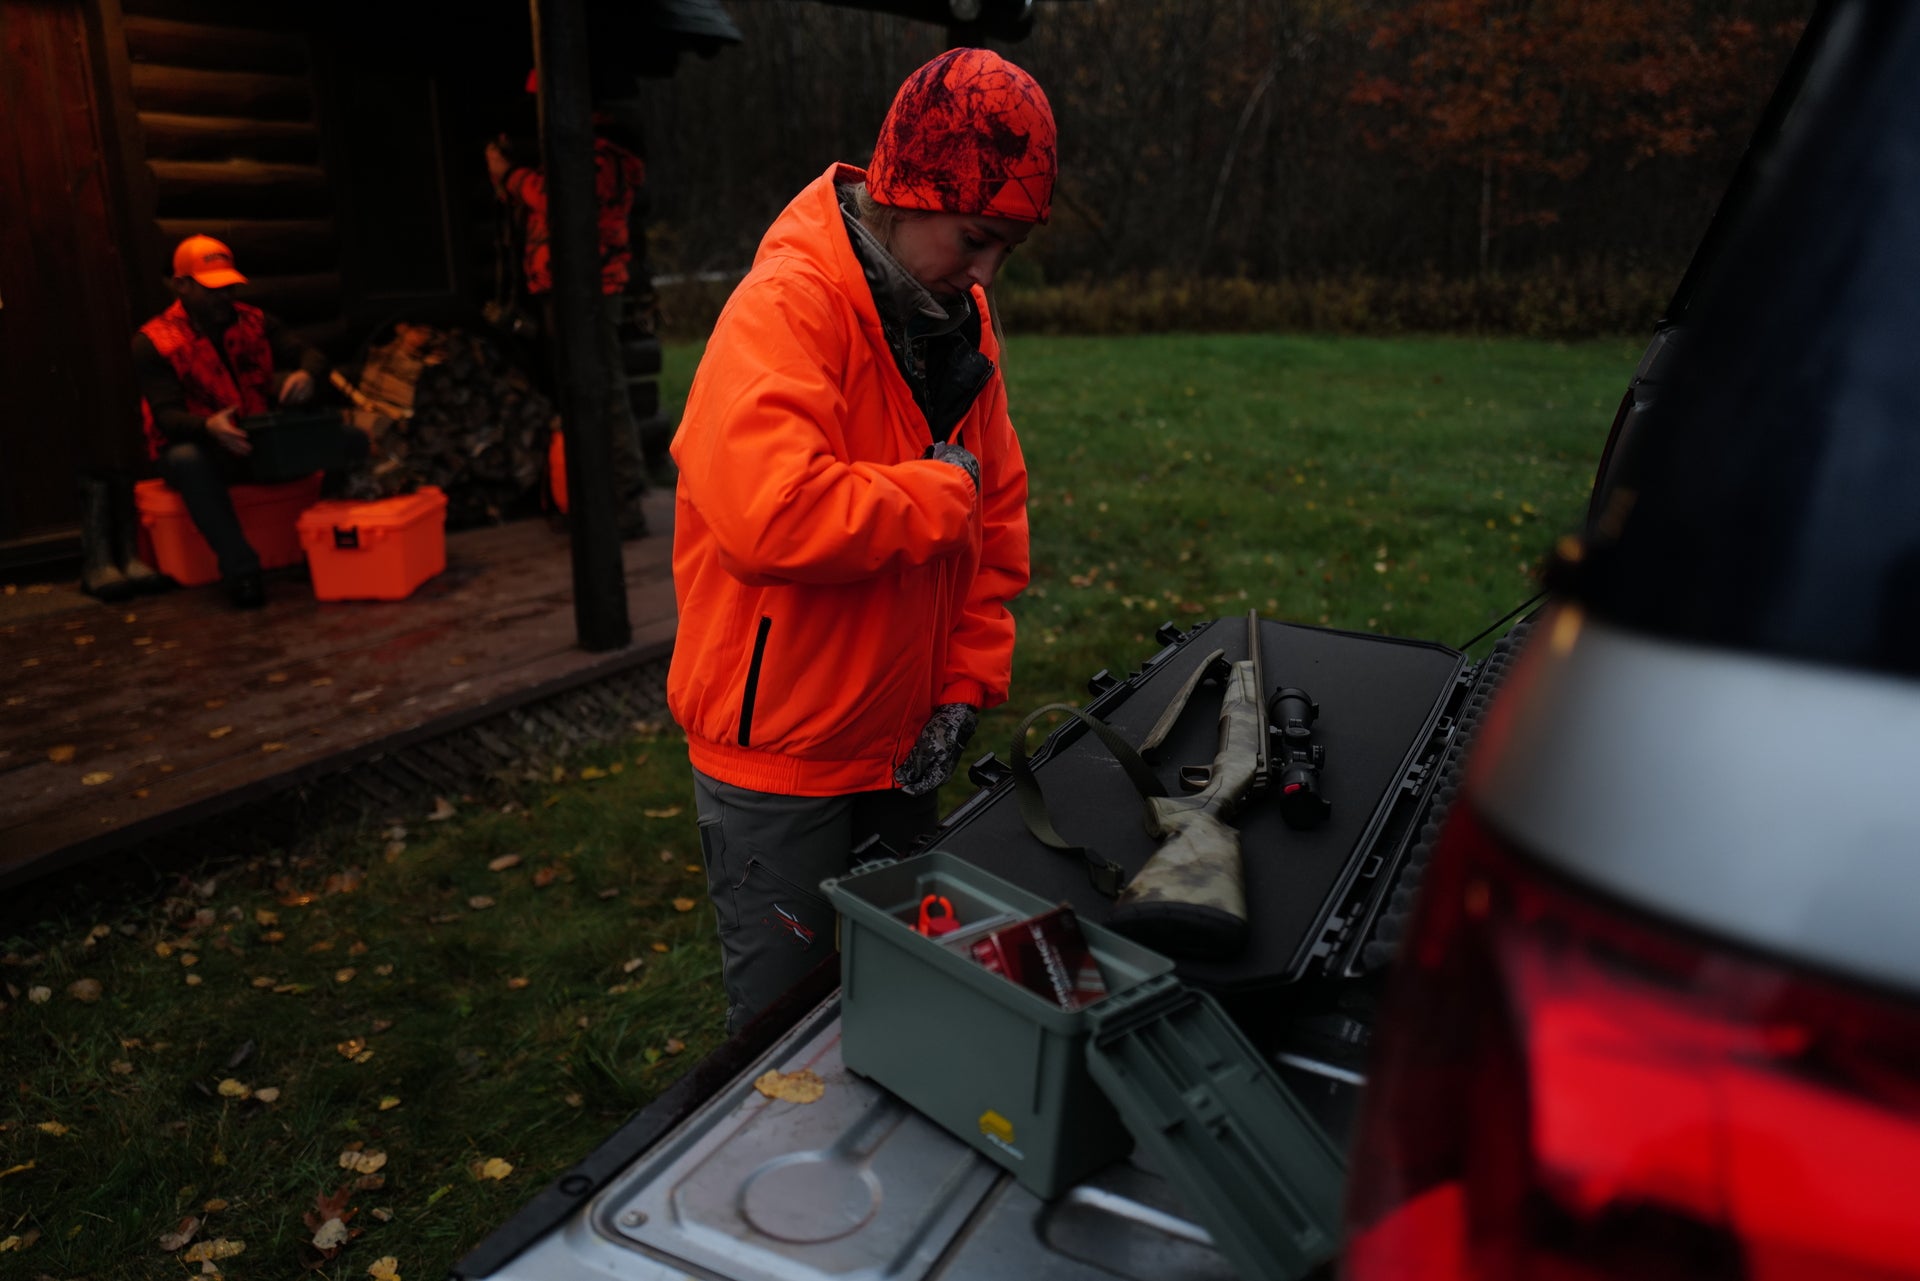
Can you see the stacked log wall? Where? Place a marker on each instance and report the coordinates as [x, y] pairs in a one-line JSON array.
[[228, 141]]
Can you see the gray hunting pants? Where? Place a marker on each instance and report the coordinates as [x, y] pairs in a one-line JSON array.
[[766, 855]]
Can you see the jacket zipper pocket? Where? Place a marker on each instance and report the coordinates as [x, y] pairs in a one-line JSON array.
[[753, 682]]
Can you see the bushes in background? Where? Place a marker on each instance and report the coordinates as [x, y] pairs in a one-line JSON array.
[[1558, 302]]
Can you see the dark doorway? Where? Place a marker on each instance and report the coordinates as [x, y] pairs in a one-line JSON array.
[[67, 396]]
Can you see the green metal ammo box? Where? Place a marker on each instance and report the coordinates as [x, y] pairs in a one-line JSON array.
[[1052, 1094]]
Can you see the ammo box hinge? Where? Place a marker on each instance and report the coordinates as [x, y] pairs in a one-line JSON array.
[[1125, 1013]]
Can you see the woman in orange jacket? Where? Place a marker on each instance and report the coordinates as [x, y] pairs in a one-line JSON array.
[[851, 516]]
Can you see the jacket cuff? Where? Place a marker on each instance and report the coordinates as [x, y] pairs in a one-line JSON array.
[[963, 690]]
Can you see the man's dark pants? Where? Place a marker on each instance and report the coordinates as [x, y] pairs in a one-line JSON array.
[[202, 470]]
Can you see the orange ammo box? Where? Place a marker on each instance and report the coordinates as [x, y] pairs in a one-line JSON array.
[[268, 516], [375, 551]]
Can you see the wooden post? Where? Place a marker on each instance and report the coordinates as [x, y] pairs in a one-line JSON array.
[[566, 148]]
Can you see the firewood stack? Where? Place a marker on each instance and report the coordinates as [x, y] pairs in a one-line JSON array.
[[478, 429]]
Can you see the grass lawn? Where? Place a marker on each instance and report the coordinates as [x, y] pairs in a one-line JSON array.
[[375, 1027]]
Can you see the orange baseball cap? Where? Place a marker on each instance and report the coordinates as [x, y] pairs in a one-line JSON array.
[[207, 261]]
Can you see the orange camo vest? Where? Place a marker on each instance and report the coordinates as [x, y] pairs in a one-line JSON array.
[[210, 383]]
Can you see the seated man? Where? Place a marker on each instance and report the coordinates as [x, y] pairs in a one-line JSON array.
[[202, 363]]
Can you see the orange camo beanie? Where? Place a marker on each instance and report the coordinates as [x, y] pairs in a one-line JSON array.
[[969, 133]]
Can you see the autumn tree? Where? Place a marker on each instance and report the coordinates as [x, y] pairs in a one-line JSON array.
[[1523, 94]]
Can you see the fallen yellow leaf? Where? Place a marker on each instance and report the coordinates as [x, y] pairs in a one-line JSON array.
[[592, 772], [671, 811], [803, 1086], [480, 902], [504, 862], [332, 1235], [52, 1127], [684, 905], [362, 1162], [518, 982], [16, 1169], [220, 731], [632, 965], [87, 990], [208, 1251], [343, 975], [349, 1048], [232, 1089], [60, 755], [273, 747], [389, 1103], [493, 1168], [269, 1095], [96, 778], [276, 678], [661, 947], [386, 1268], [215, 1206]]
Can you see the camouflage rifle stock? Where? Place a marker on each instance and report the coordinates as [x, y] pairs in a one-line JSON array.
[[1190, 898]]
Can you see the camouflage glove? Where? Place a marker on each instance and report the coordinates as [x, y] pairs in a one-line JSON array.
[[959, 457], [937, 750]]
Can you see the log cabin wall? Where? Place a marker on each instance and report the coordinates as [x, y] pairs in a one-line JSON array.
[[228, 141]]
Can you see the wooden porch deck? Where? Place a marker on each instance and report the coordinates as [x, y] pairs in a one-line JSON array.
[[125, 721]]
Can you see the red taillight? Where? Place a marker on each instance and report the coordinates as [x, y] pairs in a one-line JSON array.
[[1566, 1089]]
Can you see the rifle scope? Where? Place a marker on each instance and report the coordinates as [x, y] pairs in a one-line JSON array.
[[1297, 759]]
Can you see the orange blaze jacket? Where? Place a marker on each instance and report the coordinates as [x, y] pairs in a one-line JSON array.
[[834, 587]]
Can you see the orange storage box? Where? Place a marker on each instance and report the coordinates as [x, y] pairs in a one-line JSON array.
[[375, 551], [557, 470], [269, 516]]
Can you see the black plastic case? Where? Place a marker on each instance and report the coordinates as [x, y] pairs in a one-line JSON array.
[[1387, 717]]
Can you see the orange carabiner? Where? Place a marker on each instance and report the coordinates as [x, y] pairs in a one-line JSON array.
[[936, 916]]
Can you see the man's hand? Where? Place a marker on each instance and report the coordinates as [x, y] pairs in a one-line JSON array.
[[941, 451], [231, 438], [497, 164], [297, 389], [937, 750]]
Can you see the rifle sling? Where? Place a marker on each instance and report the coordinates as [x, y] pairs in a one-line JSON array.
[[1107, 876], [1178, 704]]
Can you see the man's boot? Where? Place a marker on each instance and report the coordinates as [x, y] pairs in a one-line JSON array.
[[99, 576], [126, 539]]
